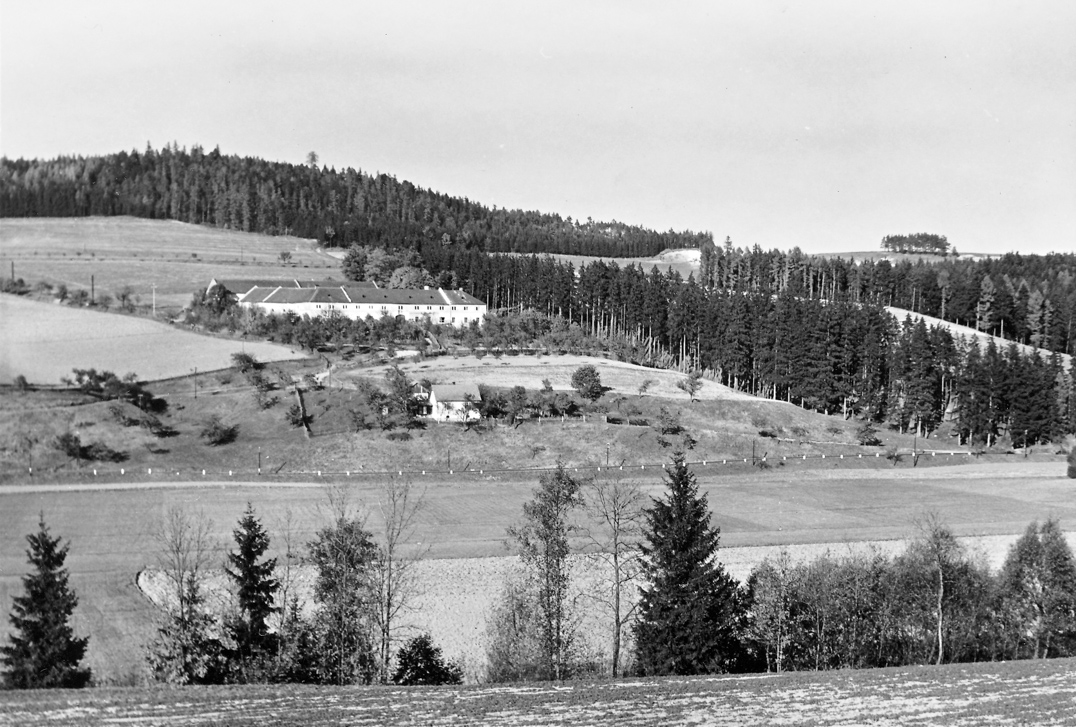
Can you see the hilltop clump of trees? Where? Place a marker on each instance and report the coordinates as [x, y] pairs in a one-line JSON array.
[[918, 242]]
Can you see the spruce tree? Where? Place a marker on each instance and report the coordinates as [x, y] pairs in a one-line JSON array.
[[255, 585], [691, 615], [43, 651]]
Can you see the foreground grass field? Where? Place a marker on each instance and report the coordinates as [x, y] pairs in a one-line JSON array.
[[1014, 693], [43, 342], [110, 527]]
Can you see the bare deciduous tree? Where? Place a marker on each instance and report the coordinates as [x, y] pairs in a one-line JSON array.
[[393, 568], [615, 510]]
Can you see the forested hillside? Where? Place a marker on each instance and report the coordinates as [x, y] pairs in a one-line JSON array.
[[338, 208], [1030, 299], [783, 325], [847, 357]]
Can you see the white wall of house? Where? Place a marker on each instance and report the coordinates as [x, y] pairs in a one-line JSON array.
[[448, 315], [451, 411]]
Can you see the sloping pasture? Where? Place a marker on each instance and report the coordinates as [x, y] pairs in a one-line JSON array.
[[43, 342], [176, 257]]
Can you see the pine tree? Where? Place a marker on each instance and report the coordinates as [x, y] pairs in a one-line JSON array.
[[691, 615], [255, 585], [43, 651]]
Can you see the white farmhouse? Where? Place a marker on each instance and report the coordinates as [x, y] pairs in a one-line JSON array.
[[442, 307], [454, 402]]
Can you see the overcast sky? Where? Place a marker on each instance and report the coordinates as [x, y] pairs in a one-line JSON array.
[[825, 125]]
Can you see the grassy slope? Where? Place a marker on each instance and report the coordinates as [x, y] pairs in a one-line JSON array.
[[176, 257], [1014, 693], [43, 342]]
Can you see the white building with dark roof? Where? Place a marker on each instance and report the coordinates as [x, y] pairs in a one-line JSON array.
[[442, 307], [454, 402], [241, 286]]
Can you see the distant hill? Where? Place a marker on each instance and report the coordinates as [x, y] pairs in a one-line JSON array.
[[337, 208]]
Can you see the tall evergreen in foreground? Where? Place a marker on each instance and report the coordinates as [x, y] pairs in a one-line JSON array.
[[252, 575], [43, 652], [692, 614]]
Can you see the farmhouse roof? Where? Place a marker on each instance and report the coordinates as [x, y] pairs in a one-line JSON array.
[[239, 286], [357, 294], [456, 392]]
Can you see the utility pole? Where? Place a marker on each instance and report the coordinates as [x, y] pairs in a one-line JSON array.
[[259, 460]]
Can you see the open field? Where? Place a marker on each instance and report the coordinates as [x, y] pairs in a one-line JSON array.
[[176, 257], [620, 377], [110, 528], [685, 261], [43, 342], [1014, 693]]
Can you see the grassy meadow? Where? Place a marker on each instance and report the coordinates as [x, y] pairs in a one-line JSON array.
[[1013, 693], [176, 257], [43, 342]]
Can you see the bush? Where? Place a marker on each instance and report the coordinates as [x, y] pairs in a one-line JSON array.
[[244, 362], [587, 382], [99, 452], [70, 444], [21, 383], [398, 436], [769, 433], [420, 663], [867, 436], [215, 432], [294, 416]]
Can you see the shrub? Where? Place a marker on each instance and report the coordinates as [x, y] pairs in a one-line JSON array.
[[99, 452], [215, 432], [398, 436], [767, 433], [294, 416], [21, 383], [867, 436], [244, 362], [70, 444], [420, 663], [800, 432], [587, 382]]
